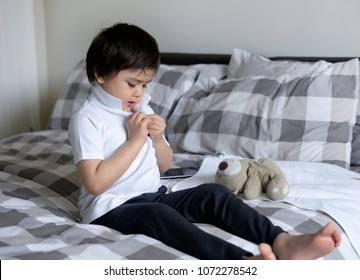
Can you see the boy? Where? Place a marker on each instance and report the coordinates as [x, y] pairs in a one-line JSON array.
[[119, 149]]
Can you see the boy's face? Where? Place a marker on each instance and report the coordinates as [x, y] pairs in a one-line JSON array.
[[127, 85]]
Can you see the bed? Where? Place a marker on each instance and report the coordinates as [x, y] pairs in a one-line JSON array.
[[300, 111]]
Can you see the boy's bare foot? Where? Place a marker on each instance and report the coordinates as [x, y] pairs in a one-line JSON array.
[[307, 246], [266, 253]]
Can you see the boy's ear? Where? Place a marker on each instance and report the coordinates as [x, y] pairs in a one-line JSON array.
[[99, 79]]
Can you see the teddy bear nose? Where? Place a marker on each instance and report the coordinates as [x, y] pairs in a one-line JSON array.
[[223, 165]]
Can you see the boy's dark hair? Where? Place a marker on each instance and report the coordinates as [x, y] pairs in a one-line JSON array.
[[119, 47]]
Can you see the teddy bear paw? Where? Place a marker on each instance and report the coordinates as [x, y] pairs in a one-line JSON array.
[[279, 193]]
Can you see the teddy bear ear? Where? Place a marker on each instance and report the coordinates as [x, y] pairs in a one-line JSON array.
[[223, 165], [229, 167]]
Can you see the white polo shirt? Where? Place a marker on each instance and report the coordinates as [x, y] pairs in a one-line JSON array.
[[96, 130]]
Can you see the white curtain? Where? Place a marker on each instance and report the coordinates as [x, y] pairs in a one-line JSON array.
[[19, 83]]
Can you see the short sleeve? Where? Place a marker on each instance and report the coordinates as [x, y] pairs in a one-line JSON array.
[[85, 138]]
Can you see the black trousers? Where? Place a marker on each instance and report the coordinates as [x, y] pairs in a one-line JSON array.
[[169, 218]]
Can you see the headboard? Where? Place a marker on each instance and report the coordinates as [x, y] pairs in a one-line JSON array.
[[193, 58], [174, 58]]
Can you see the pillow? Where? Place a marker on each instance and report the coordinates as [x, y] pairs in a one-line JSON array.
[[245, 64], [169, 83], [308, 118], [355, 144], [74, 93]]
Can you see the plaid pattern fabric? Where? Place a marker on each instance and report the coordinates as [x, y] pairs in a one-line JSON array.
[[306, 119], [31, 213], [245, 64], [168, 84], [39, 189], [74, 93], [355, 144], [171, 82], [43, 157]]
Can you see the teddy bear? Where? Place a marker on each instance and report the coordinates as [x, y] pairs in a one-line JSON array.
[[252, 177]]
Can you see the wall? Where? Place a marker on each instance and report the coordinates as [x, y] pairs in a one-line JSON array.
[[19, 79], [268, 27]]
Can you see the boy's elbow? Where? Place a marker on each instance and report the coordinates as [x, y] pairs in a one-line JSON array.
[[165, 166], [96, 192], [90, 177], [94, 188], [164, 169]]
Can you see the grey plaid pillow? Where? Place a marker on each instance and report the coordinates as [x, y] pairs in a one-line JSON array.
[[169, 83], [167, 86], [245, 64], [308, 118], [74, 93]]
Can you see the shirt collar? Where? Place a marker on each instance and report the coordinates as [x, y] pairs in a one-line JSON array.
[[113, 104]]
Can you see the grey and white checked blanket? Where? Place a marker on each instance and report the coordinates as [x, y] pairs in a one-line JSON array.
[[39, 218]]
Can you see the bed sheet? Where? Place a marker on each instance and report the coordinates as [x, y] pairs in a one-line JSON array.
[[39, 219]]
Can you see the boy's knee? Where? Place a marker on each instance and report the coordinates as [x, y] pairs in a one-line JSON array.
[[213, 188]]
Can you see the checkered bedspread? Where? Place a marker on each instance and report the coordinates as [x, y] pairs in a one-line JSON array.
[[39, 219]]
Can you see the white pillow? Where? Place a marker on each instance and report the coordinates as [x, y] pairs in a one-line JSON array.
[[245, 64]]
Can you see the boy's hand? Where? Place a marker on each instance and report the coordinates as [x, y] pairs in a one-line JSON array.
[[137, 126], [156, 127]]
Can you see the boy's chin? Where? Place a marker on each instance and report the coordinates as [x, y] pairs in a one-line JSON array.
[[127, 109]]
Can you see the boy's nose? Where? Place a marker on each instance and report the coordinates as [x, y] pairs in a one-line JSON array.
[[139, 92]]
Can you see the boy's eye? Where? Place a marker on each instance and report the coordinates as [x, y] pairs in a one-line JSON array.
[[132, 85]]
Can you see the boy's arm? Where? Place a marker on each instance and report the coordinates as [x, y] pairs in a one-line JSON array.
[[98, 175], [163, 152]]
